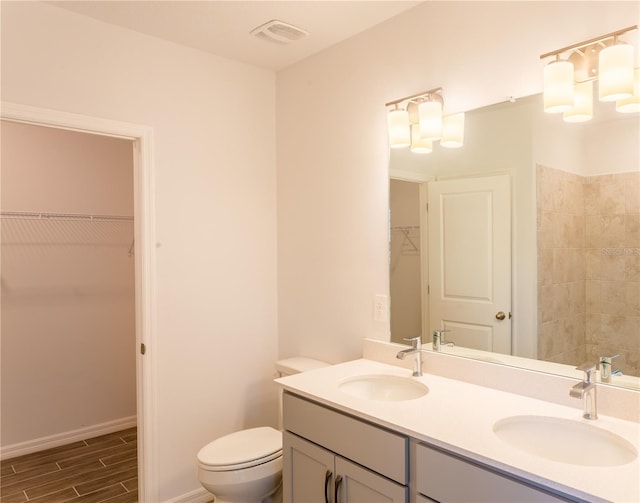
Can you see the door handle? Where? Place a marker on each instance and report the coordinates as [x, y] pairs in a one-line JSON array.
[[327, 478], [337, 489], [500, 315]]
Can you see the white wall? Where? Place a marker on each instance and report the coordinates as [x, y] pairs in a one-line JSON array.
[[606, 144], [332, 152], [215, 209], [621, 138], [68, 320]]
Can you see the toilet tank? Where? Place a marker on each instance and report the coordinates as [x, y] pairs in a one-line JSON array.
[[298, 364], [290, 366]]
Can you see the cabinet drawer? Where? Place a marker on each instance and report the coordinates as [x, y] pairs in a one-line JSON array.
[[450, 479], [381, 450]]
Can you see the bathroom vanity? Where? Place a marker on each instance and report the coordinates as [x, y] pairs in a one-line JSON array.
[[347, 443], [327, 453]]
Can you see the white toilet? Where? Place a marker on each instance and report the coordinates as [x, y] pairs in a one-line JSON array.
[[246, 466]]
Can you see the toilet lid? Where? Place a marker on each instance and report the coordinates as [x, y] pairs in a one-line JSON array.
[[242, 449]]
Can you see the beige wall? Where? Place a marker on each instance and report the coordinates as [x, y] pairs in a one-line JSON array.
[[68, 322], [405, 263], [215, 221], [54, 170]]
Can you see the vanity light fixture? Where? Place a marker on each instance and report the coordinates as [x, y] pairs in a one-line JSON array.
[[419, 145], [558, 86], [632, 103], [421, 123], [430, 118], [568, 79], [453, 131], [582, 109], [615, 66], [399, 127]]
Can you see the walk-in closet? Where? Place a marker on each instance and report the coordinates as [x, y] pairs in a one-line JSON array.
[[68, 369]]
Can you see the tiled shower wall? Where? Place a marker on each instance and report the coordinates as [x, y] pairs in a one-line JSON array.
[[561, 267], [589, 268]]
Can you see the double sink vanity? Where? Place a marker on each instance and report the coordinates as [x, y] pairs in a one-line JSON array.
[[367, 430]]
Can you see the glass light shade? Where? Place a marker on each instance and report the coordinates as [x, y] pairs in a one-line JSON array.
[[419, 145], [398, 126], [412, 108], [430, 113], [582, 103], [615, 71], [632, 103], [558, 86], [453, 131]]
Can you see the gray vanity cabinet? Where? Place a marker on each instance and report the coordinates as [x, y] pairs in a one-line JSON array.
[[330, 457]]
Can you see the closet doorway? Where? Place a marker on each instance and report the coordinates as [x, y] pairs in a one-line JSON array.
[[76, 296]]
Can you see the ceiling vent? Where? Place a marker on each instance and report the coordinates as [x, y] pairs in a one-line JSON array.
[[278, 32]]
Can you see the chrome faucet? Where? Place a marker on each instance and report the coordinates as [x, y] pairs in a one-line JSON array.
[[416, 348], [437, 339], [605, 368], [586, 390]]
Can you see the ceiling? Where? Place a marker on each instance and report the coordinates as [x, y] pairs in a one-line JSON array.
[[222, 27]]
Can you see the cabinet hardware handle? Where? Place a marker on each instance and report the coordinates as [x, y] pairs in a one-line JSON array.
[[327, 478], [337, 492]]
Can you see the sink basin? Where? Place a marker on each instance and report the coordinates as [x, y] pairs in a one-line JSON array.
[[384, 387], [565, 440]]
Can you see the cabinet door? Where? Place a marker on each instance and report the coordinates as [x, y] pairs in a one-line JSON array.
[[355, 484], [307, 472]]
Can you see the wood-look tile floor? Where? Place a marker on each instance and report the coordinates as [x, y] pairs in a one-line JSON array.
[[100, 469]]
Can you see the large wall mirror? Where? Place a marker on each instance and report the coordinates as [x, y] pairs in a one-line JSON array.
[[573, 236]]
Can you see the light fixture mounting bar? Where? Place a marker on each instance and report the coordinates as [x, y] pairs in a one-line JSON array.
[[591, 41], [430, 93]]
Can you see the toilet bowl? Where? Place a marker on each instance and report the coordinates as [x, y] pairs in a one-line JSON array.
[[246, 466], [243, 467]]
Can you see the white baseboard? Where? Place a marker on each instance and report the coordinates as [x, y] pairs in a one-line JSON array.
[[42, 443], [197, 496]]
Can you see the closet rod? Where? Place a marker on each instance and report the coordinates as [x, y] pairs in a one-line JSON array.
[[405, 228], [63, 216]]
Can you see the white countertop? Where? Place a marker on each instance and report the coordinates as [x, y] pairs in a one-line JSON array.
[[459, 417]]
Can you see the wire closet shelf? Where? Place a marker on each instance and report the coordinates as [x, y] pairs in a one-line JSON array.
[[30, 215], [64, 228]]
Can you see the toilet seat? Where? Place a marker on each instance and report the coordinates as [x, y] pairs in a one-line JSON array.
[[241, 449]]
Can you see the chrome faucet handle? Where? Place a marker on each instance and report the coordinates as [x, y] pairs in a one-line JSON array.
[[605, 368], [586, 390], [416, 342], [437, 333], [437, 338], [588, 369]]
